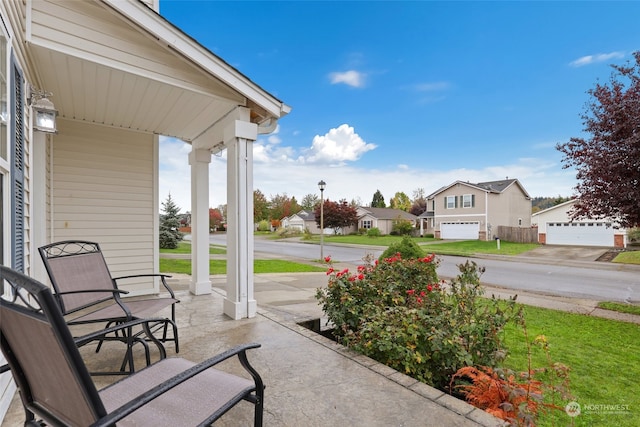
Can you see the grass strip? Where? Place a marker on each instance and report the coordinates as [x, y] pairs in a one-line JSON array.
[[619, 307], [628, 257], [470, 247], [185, 248], [217, 266]]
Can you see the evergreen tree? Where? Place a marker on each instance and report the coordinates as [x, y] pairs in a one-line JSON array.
[[378, 200], [170, 234]]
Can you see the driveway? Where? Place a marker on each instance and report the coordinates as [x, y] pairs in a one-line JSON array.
[[574, 253]]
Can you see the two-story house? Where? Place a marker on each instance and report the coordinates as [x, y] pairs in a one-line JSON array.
[[464, 210]]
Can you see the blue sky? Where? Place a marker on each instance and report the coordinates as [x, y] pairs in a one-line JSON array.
[[400, 95]]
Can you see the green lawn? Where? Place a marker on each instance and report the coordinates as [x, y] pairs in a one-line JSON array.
[[219, 266], [604, 357], [469, 247], [628, 257], [366, 240], [185, 248]]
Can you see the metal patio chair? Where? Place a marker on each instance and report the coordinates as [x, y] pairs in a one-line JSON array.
[[86, 293], [56, 388]]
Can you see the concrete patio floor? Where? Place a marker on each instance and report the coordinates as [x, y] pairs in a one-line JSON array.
[[311, 381]]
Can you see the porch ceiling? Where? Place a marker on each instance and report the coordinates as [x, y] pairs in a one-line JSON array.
[[95, 93]]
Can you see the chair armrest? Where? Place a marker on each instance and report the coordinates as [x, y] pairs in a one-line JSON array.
[[85, 291], [167, 385], [161, 276]]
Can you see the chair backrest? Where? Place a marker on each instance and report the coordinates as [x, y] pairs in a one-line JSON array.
[[53, 380], [76, 265]]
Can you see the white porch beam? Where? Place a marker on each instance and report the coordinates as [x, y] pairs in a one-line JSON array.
[[199, 160], [239, 135]]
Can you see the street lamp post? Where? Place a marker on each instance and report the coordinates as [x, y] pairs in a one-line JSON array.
[[321, 186]]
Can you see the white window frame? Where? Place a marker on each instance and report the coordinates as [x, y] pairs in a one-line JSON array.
[[367, 224], [467, 200], [5, 164], [451, 202]]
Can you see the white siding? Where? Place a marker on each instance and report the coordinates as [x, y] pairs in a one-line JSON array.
[[103, 191]]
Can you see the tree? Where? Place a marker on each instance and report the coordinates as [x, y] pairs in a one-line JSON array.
[[260, 206], [216, 221], [608, 162], [336, 215], [418, 207], [280, 207], [419, 204], [309, 202], [400, 201], [378, 200], [170, 234], [419, 194]]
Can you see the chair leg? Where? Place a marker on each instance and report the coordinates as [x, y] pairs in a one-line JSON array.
[[108, 325], [259, 408]]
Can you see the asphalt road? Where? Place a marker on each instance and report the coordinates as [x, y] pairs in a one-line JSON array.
[[599, 281]]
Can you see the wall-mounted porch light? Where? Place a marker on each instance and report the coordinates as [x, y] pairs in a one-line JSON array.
[[44, 112]]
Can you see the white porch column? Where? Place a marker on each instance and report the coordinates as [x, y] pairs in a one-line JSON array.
[[239, 136], [199, 160]]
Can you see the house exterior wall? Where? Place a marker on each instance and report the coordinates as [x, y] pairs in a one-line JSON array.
[[511, 208], [442, 213], [103, 190], [559, 214], [294, 222]]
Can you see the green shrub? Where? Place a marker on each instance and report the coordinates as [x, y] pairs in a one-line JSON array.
[[374, 232], [407, 248], [397, 312], [264, 225], [308, 235], [634, 235], [283, 233], [401, 227]]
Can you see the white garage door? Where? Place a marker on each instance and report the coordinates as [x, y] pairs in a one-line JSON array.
[[580, 233], [459, 230]]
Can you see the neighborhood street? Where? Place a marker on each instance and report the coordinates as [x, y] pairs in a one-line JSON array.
[[550, 276]]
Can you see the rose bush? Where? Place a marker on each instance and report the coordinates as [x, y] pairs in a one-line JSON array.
[[397, 312]]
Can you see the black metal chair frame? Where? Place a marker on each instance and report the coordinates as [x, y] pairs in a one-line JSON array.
[[37, 340], [95, 299]]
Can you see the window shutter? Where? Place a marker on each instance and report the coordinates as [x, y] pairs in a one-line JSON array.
[[17, 168], [455, 200], [445, 202], [473, 200]]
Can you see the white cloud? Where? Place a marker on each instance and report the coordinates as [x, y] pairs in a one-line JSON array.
[[597, 58], [337, 146], [351, 78]]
